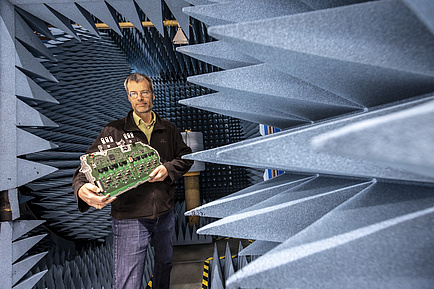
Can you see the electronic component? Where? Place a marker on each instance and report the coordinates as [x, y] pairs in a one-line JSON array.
[[117, 170]]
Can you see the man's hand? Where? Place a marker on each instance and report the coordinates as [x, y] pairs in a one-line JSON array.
[[159, 174], [89, 194]]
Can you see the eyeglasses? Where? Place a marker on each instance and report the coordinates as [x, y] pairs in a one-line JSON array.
[[143, 93]]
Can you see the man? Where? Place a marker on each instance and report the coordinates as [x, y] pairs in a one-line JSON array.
[[144, 212]]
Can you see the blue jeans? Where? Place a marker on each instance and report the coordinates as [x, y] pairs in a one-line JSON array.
[[131, 238]]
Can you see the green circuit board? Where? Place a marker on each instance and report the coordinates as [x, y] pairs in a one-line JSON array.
[[117, 170]]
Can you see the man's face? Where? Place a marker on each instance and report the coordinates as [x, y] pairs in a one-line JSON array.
[[144, 102]]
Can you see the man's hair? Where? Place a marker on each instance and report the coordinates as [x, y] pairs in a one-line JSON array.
[[138, 77]]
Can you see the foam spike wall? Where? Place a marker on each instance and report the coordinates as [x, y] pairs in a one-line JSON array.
[[15, 242], [54, 96], [90, 268], [76, 126], [63, 104], [223, 267], [351, 85], [184, 234]]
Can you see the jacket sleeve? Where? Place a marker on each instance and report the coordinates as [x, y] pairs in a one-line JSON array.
[[178, 166], [79, 179]]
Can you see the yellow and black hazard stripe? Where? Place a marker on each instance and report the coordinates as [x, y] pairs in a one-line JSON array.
[[149, 286], [205, 279]]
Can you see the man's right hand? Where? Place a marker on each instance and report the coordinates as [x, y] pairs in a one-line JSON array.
[[89, 194]]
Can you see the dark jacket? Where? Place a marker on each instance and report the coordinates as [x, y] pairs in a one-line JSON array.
[[148, 200]]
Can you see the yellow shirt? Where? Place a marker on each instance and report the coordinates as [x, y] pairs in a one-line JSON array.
[[147, 129]]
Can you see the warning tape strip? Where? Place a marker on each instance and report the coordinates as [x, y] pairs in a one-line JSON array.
[[149, 286], [206, 277]]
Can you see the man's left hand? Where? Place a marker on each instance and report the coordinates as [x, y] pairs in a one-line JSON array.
[[159, 174]]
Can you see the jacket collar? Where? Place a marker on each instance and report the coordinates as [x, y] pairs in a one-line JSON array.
[[130, 124]]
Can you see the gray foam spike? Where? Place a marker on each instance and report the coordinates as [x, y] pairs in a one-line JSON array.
[[22, 246], [200, 2], [30, 171], [265, 152], [31, 281], [175, 7], [153, 11], [6, 253], [129, 11], [395, 18], [380, 202], [25, 60], [20, 268], [27, 88], [187, 235], [319, 4], [366, 76], [14, 202], [402, 139], [8, 168], [241, 106], [22, 227], [36, 23], [103, 12], [292, 98], [76, 14], [294, 210], [258, 248], [274, 83], [26, 35], [221, 1], [424, 9], [340, 261], [241, 11], [242, 262], [218, 53], [29, 143], [247, 197], [228, 264], [216, 271], [51, 16], [240, 249], [28, 116]]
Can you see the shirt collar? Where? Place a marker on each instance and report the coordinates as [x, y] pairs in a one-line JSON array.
[[140, 121]]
